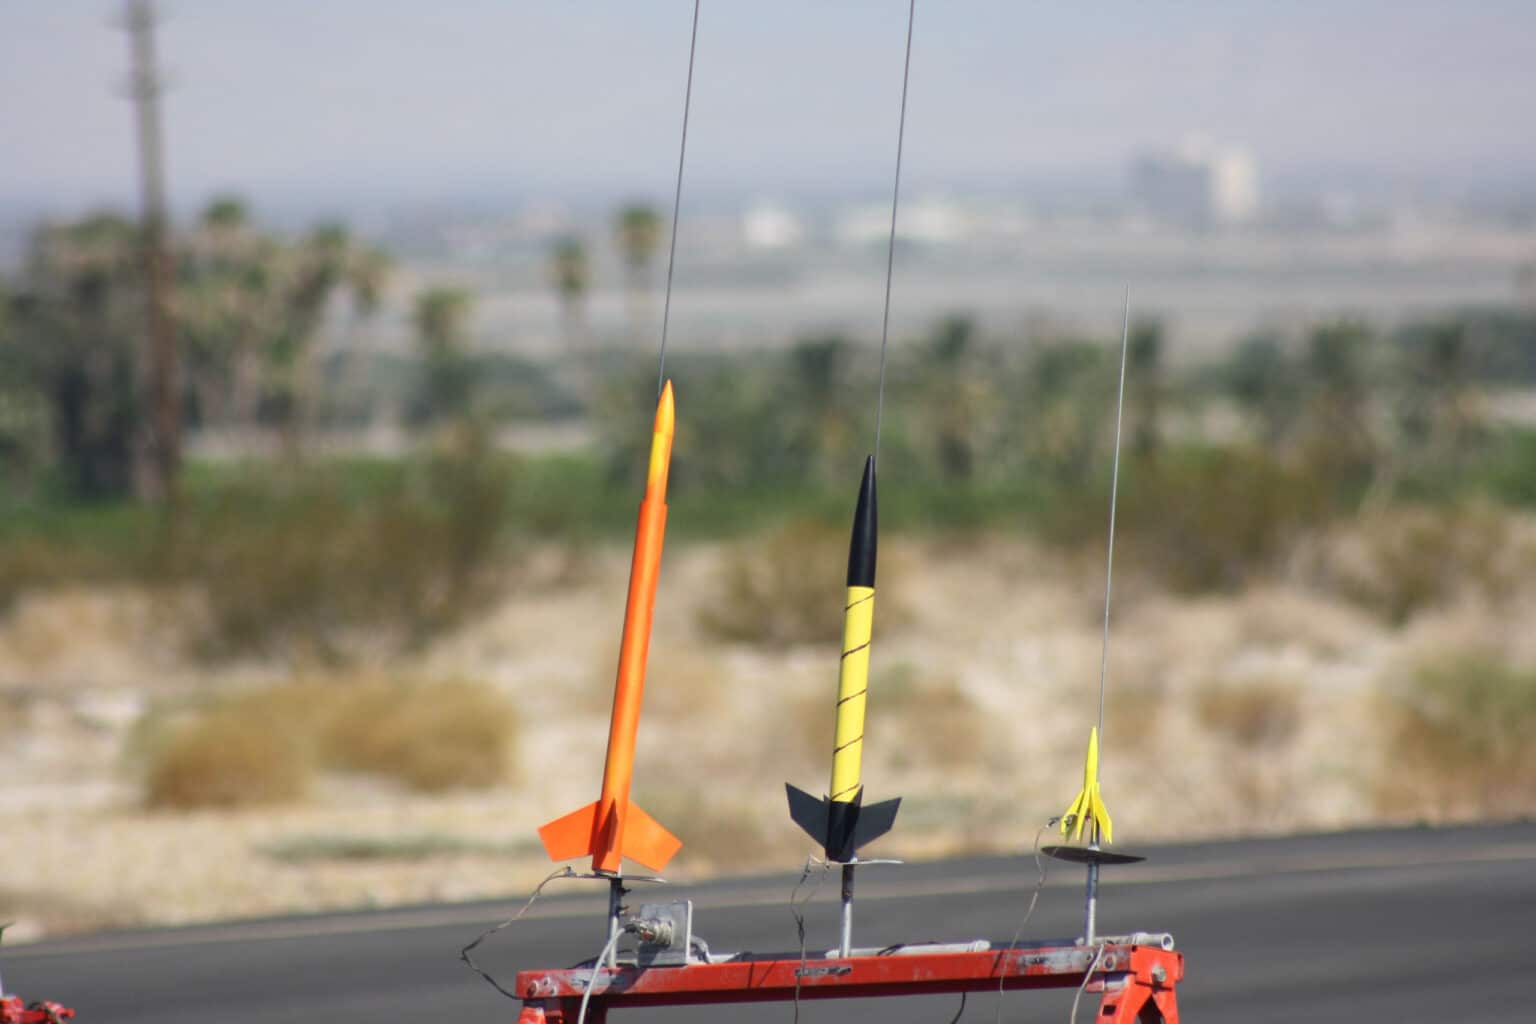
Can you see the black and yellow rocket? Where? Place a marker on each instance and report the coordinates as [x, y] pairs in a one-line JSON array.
[[840, 822]]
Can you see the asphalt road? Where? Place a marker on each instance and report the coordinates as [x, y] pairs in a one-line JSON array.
[[1405, 925]]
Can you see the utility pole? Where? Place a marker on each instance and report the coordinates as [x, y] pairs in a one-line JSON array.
[[163, 377]]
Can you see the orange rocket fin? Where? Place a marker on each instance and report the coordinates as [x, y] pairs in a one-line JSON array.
[[578, 835], [646, 841], [572, 835]]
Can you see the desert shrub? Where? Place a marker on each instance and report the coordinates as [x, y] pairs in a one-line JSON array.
[[1257, 716], [307, 849], [229, 759], [1399, 560], [1215, 519], [428, 736], [304, 565], [785, 588], [1461, 739], [266, 747]]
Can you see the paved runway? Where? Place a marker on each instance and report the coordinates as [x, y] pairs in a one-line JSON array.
[[1403, 925]]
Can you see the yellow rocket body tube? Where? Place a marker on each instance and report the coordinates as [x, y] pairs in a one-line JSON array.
[[840, 821], [852, 694]]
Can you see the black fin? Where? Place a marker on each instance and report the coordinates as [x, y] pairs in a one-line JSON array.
[[875, 821], [808, 812], [841, 828]]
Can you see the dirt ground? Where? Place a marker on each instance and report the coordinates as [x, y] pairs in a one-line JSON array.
[[1252, 713]]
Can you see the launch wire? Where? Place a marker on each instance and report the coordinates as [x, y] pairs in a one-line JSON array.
[[890, 251], [1093, 965], [464, 954], [597, 965], [795, 903], [677, 205], [1034, 901]]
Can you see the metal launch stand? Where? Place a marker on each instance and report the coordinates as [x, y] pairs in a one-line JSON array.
[[14, 1011], [1135, 977]]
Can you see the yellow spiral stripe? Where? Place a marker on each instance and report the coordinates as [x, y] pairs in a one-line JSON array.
[[852, 693]]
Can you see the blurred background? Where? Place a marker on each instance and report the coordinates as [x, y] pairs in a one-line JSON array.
[[328, 346]]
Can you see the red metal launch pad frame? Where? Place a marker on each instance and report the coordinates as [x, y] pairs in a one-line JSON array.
[[1137, 983], [14, 1011]]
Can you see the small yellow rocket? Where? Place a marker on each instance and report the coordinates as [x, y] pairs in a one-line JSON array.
[[1088, 812]]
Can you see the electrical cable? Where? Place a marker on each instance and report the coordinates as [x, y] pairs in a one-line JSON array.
[[565, 872], [794, 909], [1092, 966], [1034, 900], [597, 965]]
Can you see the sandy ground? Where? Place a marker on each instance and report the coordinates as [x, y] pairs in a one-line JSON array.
[[985, 685]]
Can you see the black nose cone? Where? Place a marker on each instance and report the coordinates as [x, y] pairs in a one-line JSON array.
[[861, 549]]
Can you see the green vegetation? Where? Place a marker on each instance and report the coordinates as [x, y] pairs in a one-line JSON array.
[[1231, 467], [267, 747], [768, 594], [298, 558], [1461, 739]]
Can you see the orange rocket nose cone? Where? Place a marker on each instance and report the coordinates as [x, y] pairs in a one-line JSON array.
[[664, 413]]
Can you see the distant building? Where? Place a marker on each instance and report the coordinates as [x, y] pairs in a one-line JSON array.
[[929, 221], [1196, 184], [766, 226]]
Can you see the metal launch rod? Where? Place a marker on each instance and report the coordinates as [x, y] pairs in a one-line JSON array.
[[841, 822], [1091, 895], [677, 205], [1114, 494], [890, 251], [845, 944], [616, 893], [613, 828]]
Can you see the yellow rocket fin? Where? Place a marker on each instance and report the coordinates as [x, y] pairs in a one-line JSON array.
[[1087, 811]]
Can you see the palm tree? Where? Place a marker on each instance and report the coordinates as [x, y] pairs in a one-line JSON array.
[[1268, 387], [1145, 356], [638, 231], [955, 395], [571, 276], [441, 319], [367, 271], [1341, 444], [1439, 412]]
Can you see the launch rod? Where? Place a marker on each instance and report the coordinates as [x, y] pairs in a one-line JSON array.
[[677, 204], [845, 944], [1114, 492], [1091, 894], [890, 250], [615, 911]]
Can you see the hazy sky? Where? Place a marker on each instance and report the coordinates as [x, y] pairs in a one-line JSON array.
[[330, 100]]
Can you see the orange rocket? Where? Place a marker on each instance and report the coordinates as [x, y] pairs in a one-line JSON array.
[[612, 828]]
